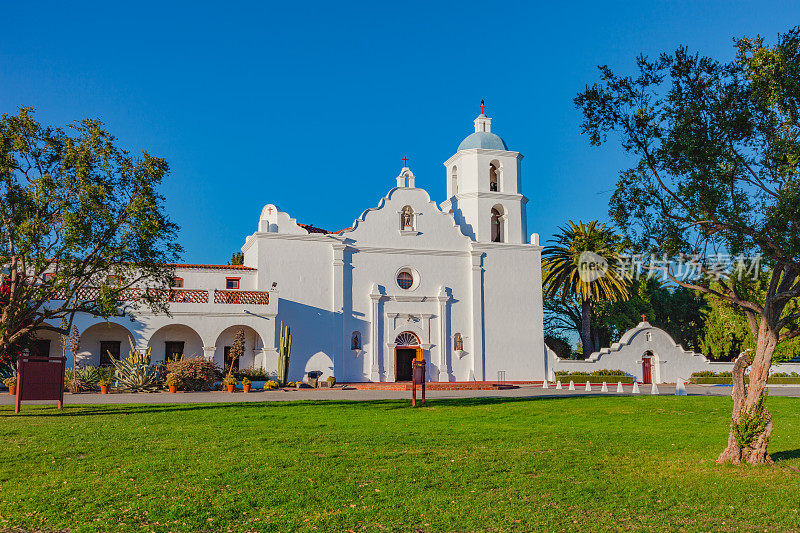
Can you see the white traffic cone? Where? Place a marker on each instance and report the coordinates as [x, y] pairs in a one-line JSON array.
[[588, 386], [571, 385], [635, 388], [680, 388], [604, 388], [654, 389], [619, 386], [545, 385], [558, 385]]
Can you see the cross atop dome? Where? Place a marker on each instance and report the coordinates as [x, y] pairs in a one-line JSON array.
[[483, 124]]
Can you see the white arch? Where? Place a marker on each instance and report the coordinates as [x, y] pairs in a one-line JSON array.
[[253, 346], [91, 337], [193, 343]]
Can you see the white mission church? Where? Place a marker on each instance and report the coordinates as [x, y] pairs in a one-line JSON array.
[[457, 283]]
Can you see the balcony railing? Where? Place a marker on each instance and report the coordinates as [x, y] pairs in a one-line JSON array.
[[241, 297], [194, 296]]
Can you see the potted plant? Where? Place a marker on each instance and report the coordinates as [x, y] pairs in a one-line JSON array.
[[331, 381], [11, 383], [246, 384], [230, 382], [270, 385], [103, 383], [172, 382]]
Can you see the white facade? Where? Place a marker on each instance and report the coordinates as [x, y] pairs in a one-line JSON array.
[[459, 285]]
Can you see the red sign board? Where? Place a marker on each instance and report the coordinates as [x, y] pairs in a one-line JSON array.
[[40, 378]]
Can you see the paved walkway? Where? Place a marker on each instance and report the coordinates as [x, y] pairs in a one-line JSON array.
[[367, 395]]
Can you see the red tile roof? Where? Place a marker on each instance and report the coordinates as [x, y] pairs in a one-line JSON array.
[[311, 229], [216, 267]]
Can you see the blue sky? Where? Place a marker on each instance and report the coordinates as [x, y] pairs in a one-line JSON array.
[[311, 106]]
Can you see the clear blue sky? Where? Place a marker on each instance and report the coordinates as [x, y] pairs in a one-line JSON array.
[[311, 106]]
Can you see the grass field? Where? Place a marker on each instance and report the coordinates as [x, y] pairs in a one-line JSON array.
[[612, 463]]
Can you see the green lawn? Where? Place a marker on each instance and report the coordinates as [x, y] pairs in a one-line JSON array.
[[592, 463]]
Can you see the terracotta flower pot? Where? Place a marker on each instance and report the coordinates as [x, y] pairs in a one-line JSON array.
[[173, 388], [103, 389], [246, 388], [12, 390], [231, 387]]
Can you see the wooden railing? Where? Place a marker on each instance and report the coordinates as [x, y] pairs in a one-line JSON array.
[[241, 297]]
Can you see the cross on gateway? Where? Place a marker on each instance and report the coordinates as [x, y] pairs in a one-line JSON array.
[[644, 317]]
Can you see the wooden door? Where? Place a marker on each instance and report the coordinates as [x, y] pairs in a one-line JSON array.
[[646, 374]]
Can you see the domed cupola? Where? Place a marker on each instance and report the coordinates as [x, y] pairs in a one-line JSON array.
[[483, 136]]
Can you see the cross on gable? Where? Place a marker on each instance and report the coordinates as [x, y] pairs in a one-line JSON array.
[[644, 317], [405, 162], [269, 210]]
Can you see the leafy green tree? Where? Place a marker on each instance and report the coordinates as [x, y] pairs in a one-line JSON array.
[[716, 156], [582, 266], [82, 227], [237, 259]]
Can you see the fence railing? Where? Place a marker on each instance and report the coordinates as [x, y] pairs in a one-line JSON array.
[[241, 297], [194, 296]]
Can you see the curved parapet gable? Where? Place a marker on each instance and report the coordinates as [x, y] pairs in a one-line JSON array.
[[425, 224], [668, 359]]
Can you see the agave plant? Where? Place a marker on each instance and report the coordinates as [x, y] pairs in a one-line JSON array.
[[136, 373], [82, 379]]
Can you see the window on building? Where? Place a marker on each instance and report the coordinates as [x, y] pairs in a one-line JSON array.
[[111, 280], [493, 178], [232, 283], [355, 341], [227, 354], [177, 282], [407, 218], [48, 276], [454, 181], [405, 279], [40, 348], [173, 351], [497, 225], [458, 342], [109, 349]]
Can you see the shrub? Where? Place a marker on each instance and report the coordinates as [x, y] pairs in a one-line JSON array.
[[136, 373], [172, 380], [702, 374], [608, 373], [253, 374], [194, 373], [271, 384], [290, 384], [725, 374], [595, 373], [331, 380], [779, 375], [10, 382]]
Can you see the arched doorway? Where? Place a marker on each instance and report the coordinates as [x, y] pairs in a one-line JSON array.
[[647, 367], [252, 346], [102, 341], [174, 341], [406, 350]]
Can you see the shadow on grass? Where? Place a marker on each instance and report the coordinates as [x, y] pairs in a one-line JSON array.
[[785, 455], [36, 411]]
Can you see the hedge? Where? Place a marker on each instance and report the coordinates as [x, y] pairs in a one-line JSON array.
[[729, 381], [583, 378]]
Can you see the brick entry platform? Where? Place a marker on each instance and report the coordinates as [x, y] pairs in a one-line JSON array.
[[439, 385]]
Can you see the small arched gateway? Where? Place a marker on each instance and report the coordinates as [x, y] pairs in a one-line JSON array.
[[406, 350]]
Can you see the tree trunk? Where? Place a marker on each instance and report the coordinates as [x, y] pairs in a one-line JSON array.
[[586, 328], [751, 423]]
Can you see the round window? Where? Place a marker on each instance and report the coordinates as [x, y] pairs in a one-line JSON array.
[[405, 280]]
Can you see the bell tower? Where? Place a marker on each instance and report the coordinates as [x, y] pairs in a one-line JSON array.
[[484, 187]]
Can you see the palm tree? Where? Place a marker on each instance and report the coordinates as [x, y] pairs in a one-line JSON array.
[[582, 266]]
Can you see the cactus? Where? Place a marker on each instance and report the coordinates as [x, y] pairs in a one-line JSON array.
[[284, 350]]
